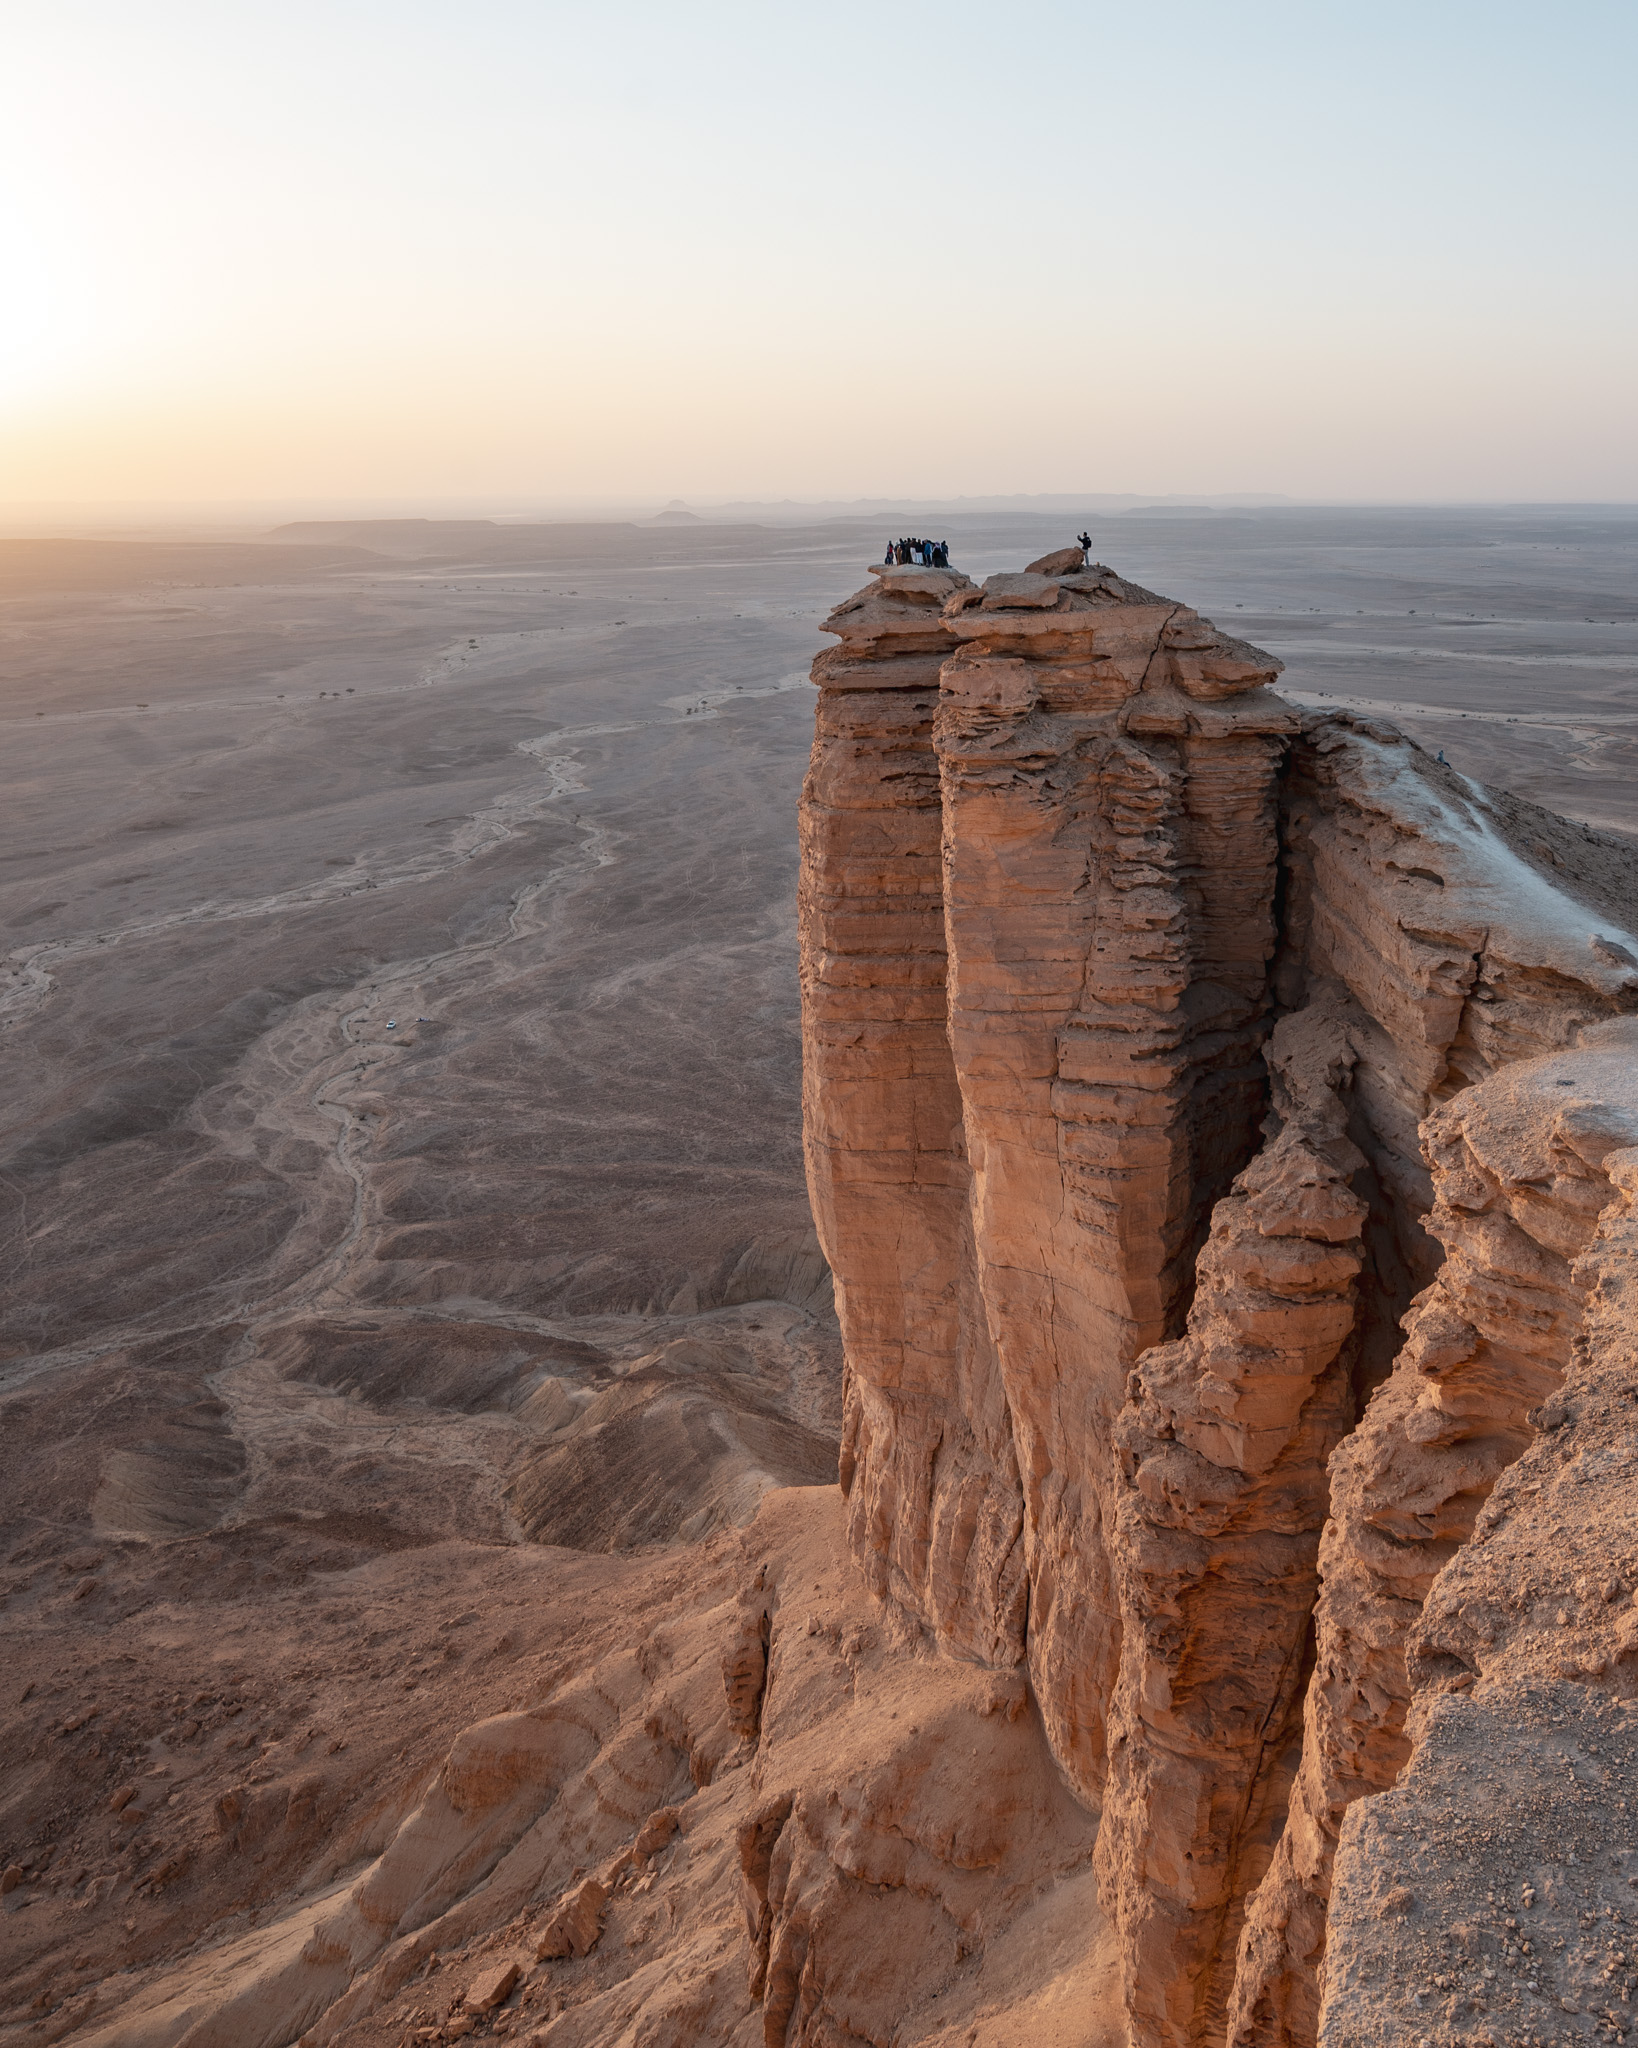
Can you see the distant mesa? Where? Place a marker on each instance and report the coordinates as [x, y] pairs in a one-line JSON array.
[[676, 514]]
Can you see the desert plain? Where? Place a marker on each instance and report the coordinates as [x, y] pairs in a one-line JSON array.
[[401, 1062]]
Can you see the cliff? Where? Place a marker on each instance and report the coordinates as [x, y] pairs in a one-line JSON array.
[[1491, 1887], [1222, 1129], [1149, 1030], [1037, 911]]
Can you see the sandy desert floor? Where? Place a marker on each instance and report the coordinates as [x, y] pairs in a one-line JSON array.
[[401, 1170]]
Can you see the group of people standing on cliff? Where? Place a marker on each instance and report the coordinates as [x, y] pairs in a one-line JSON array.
[[919, 554]]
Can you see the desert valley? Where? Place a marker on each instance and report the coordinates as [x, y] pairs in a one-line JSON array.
[[755, 1300]]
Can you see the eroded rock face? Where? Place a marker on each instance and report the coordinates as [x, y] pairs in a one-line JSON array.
[[928, 1467], [1224, 1443], [1060, 1025], [1486, 1342], [847, 1837], [1490, 1890], [1127, 1401]]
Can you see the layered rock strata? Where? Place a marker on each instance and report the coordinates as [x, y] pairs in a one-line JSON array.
[[1165, 1052], [1030, 1071], [1224, 1442], [1491, 1892], [1091, 1330], [928, 1467], [1486, 1341]]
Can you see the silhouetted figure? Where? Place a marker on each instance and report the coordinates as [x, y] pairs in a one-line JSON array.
[[1085, 540], [889, 556]]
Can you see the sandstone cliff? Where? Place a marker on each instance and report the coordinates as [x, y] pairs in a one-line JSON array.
[[1139, 1133], [1490, 1892], [1032, 1065]]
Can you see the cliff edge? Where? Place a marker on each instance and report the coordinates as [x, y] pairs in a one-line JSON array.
[[1157, 1042]]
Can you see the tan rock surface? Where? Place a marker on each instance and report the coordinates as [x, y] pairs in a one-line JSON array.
[[1109, 880], [1110, 769], [1508, 1848], [492, 1987], [1487, 1339], [866, 1858], [1224, 1443], [927, 1457]]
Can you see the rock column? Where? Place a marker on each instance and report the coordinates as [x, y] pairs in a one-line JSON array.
[[1224, 1443], [934, 1502], [1108, 765]]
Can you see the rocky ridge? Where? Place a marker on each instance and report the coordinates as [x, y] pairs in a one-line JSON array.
[[1179, 920]]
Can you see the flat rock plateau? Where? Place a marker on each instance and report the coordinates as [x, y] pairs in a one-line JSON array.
[[932, 1346]]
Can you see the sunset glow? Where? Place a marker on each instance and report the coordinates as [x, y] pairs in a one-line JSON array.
[[564, 252]]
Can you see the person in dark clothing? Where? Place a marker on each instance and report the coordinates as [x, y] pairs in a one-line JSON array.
[[1085, 540]]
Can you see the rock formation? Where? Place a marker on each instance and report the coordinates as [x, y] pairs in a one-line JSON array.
[[1126, 1401], [1480, 1603], [927, 1452], [1223, 1446], [1032, 1065]]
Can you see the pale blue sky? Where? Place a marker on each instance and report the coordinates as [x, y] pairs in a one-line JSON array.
[[562, 251]]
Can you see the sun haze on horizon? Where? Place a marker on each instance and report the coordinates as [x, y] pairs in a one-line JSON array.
[[566, 253]]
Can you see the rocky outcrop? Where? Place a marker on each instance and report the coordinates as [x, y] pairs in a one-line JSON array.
[[674, 1845], [1489, 1892], [928, 1466], [1486, 1340], [1224, 1443], [1030, 1070], [1126, 1395], [1222, 1127]]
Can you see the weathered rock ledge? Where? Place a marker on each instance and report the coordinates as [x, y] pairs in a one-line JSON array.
[[1165, 1050]]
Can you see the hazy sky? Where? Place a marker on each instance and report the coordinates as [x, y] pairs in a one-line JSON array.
[[547, 251]]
